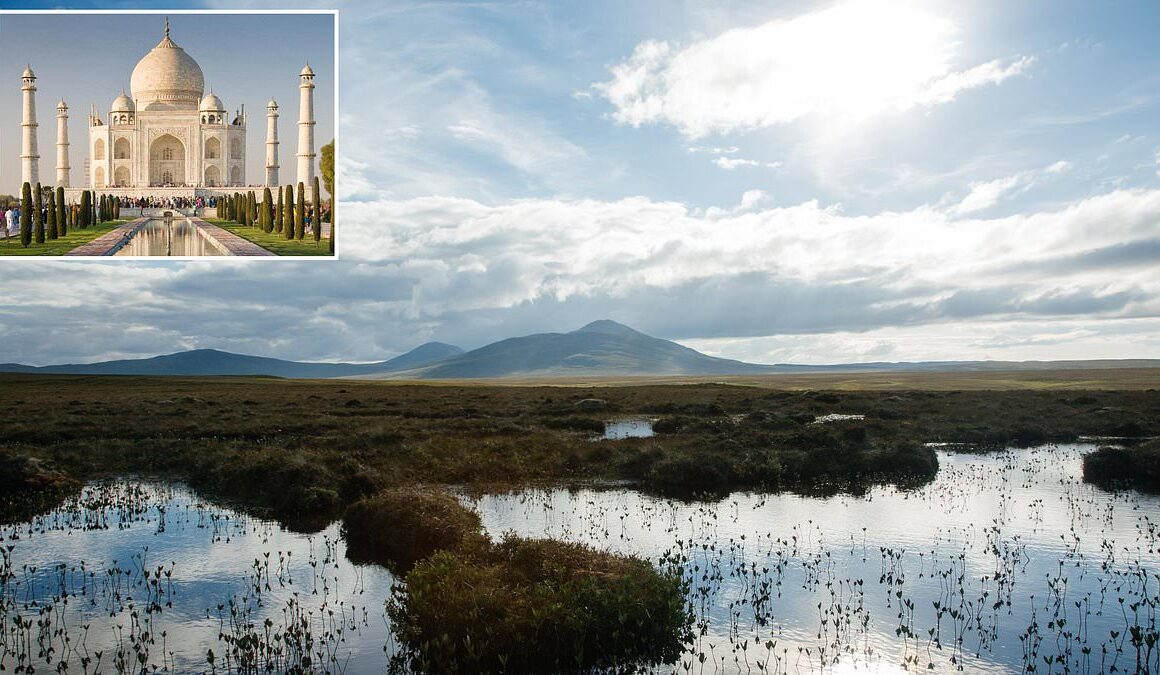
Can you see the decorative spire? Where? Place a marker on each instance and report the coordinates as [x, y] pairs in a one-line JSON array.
[[166, 26]]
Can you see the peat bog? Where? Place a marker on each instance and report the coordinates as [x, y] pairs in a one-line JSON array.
[[423, 474]]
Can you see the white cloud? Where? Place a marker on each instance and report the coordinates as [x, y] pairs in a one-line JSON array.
[[847, 62], [986, 194], [530, 150], [544, 248], [728, 150], [731, 163]]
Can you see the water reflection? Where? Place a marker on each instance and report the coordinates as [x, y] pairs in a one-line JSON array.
[[636, 427], [152, 576], [170, 236], [1006, 560]]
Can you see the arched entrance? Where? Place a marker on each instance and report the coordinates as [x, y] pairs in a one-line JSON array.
[[99, 177], [213, 176], [121, 149], [121, 176], [236, 175], [167, 161], [213, 149]]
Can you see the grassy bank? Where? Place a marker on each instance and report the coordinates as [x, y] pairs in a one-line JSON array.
[[75, 237], [273, 241], [304, 450]]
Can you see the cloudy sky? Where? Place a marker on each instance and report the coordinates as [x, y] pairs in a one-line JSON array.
[[811, 182]]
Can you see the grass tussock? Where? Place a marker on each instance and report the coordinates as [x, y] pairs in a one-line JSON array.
[[1125, 467], [29, 485], [401, 526], [530, 605]]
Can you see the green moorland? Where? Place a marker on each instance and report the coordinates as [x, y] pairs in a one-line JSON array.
[[304, 449], [273, 241], [379, 455], [60, 246]]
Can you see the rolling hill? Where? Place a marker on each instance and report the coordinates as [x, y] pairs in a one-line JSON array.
[[601, 348]]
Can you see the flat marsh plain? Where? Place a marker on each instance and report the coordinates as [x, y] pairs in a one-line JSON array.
[[480, 590], [302, 450]]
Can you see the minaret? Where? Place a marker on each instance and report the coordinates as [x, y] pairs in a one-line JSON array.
[[272, 143], [306, 128], [29, 155], [62, 166]]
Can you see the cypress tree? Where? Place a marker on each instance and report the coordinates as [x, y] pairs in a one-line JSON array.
[[316, 221], [267, 209], [333, 224], [300, 213], [278, 213], [25, 215], [38, 220], [93, 215], [288, 214], [61, 209], [51, 206], [116, 208], [86, 208]]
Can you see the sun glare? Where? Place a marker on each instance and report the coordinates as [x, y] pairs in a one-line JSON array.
[[866, 57]]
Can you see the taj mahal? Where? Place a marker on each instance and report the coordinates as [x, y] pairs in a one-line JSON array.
[[167, 136]]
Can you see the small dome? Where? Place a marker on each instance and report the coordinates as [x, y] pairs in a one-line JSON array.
[[62, 105], [121, 104], [211, 103], [28, 72], [307, 71], [272, 104]]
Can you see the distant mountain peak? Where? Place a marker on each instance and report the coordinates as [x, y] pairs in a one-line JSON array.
[[607, 327]]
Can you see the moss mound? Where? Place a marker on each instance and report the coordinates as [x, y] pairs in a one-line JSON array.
[[29, 486], [401, 526], [1117, 467], [528, 605]]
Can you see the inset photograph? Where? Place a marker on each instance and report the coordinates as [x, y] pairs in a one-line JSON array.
[[152, 135]]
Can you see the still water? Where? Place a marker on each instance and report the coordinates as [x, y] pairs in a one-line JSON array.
[[172, 237], [1006, 561], [631, 427]]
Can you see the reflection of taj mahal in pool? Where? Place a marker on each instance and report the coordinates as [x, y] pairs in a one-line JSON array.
[[169, 137]]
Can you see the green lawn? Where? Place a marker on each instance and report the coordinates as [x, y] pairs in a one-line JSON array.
[[73, 239], [275, 242]]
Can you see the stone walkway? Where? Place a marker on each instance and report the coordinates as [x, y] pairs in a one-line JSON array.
[[229, 241], [111, 241]]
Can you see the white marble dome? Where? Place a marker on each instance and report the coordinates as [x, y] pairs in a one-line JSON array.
[[211, 103], [122, 104], [167, 75]]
